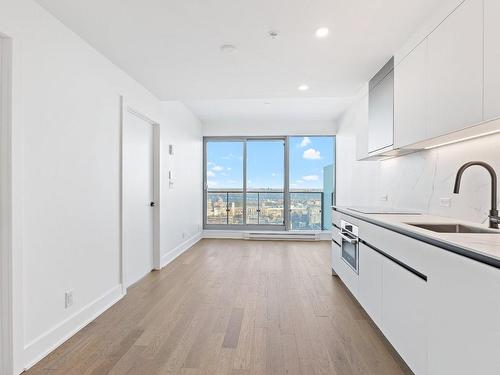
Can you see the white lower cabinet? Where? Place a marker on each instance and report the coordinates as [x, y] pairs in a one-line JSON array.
[[448, 324], [335, 257], [370, 282], [464, 318], [404, 318]]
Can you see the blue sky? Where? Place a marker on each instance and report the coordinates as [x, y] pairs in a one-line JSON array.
[[308, 156]]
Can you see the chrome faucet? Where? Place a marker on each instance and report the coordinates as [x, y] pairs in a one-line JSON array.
[[493, 216]]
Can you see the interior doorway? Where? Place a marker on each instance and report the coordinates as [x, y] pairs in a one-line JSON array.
[[140, 203]]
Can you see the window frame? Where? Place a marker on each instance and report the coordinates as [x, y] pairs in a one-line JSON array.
[[286, 182]]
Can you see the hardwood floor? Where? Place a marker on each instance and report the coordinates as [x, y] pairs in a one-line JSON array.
[[232, 307]]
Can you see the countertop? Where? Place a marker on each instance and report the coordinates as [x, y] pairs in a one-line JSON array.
[[483, 247]]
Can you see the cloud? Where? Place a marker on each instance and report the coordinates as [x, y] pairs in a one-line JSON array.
[[311, 177], [299, 181], [217, 168], [305, 141], [211, 183], [230, 156], [210, 174], [311, 154]]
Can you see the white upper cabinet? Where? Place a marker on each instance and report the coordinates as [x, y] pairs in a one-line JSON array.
[[381, 109], [410, 97], [491, 59], [455, 70]]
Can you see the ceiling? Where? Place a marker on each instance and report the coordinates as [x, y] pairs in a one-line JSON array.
[[269, 111], [172, 47]]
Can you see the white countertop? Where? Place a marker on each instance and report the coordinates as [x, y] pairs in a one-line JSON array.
[[480, 243]]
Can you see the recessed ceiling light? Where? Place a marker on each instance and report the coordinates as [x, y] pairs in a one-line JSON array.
[[228, 48], [322, 32], [274, 34], [303, 87]]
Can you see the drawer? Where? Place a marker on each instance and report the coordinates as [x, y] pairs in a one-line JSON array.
[[413, 253]]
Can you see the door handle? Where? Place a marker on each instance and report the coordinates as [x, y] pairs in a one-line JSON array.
[[352, 241]]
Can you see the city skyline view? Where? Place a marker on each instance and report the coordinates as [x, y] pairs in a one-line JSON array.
[[265, 163], [311, 165]]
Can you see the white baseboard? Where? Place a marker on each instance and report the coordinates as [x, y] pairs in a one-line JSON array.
[[179, 249], [50, 340], [237, 234]]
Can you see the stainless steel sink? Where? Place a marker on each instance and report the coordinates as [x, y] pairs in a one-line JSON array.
[[454, 228]]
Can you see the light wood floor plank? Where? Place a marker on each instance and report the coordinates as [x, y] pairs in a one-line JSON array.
[[232, 307]]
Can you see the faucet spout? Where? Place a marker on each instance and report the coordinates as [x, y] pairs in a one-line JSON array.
[[494, 220]]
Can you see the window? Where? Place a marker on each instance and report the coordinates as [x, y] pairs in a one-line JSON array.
[[311, 161], [269, 183], [224, 180]]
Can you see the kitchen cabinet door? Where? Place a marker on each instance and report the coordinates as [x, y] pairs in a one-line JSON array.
[[370, 282], [491, 59], [404, 317], [335, 258], [455, 68], [410, 98], [381, 115], [464, 325]]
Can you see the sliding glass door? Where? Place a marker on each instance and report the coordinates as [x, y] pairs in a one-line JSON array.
[[276, 183], [265, 166], [312, 178], [224, 183]]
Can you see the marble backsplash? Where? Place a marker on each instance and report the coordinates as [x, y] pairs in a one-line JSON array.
[[421, 181]]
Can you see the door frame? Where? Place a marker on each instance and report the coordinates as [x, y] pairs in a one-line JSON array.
[[127, 109], [6, 221]]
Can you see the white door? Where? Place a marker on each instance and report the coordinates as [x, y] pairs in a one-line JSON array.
[[138, 194]]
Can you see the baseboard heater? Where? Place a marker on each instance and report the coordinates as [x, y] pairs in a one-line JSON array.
[[286, 236]]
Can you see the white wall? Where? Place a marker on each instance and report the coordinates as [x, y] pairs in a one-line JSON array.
[[249, 127], [181, 205], [419, 180], [66, 179]]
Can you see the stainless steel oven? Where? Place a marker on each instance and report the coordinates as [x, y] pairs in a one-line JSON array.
[[349, 245]]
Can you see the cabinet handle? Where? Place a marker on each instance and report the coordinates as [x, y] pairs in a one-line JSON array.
[[352, 241], [396, 261]]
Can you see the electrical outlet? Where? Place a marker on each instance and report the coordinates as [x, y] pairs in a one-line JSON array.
[[445, 202], [384, 198], [68, 299]]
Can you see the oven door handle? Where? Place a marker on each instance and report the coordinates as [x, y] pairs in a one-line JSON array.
[[352, 241]]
